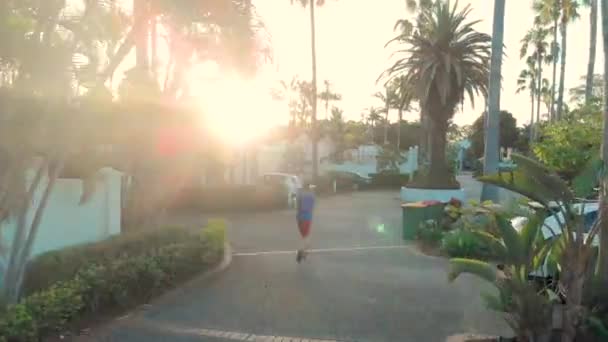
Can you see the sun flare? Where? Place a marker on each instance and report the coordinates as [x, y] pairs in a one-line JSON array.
[[237, 111]]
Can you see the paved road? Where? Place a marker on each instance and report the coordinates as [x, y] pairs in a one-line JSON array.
[[362, 284]]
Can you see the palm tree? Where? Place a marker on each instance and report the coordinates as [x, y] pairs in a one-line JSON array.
[[492, 134], [568, 13], [592, 49], [603, 259], [327, 95], [443, 34], [527, 81], [387, 98], [373, 117], [548, 12], [536, 39], [315, 160], [404, 97]]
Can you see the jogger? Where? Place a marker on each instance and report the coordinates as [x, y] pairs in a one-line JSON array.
[[305, 205]]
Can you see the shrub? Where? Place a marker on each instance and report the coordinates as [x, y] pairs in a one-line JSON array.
[[231, 198], [389, 180], [108, 276], [422, 180], [64, 264], [462, 243], [429, 233]]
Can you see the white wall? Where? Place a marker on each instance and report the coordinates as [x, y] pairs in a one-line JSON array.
[[65, 222]]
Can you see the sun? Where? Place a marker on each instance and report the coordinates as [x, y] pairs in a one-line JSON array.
[[237, 111]]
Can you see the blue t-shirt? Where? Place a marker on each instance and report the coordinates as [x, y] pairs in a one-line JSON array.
[[306, 204]]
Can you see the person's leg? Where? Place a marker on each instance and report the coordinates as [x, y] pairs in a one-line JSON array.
[[305, 233]]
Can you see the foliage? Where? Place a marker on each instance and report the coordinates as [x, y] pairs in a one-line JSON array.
[[230, 198], [422, 180], [389, 159], [574, 250], [393, 180], [567, 145], [429, 233], [520, 252], [462, 243], [509, 134], [445, 59], [108, 276], [577, 94]]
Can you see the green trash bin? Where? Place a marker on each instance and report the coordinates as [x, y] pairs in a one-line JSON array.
[[416, 213]]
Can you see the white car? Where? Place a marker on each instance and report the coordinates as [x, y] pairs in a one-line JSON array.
[[551, 229], [291, 182]]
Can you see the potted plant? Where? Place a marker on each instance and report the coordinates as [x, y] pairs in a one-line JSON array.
[[445, 60]]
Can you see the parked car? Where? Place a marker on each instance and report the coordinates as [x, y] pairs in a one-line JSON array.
[[292, 184], [552, 230]]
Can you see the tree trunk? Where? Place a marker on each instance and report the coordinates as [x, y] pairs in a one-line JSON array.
[[562, 76], [386, 107], [492, 133], [140, 12], [315, 138], [399, 129], [424, 134], [603, 258], [154, 48], [592, 50], [10, 280], [438, 173], [554, 54], [33, 231], [531, 133], [538, 95]]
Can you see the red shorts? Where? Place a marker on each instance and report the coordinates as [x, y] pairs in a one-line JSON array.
[[304, 227]]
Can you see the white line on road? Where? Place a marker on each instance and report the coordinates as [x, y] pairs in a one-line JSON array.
[[226, 335], [323, 250]]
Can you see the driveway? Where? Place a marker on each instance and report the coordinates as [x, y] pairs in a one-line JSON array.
[[360, 283]]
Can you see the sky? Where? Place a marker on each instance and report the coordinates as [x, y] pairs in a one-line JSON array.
[[351, 35]]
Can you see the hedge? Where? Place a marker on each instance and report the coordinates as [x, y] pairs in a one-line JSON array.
[[231, 198], [64, 286], [389, 180]]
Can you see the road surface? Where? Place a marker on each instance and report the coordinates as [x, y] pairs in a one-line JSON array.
[[361, 283]]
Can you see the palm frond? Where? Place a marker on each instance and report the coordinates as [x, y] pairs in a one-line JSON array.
[[478, 268]]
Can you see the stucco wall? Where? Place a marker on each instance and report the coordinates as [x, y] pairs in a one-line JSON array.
[[66, 222]]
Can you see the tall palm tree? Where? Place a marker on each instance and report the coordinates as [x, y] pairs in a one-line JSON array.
[[603, 259], [386, 98], [404, 97], [535, 38], [492, 133], [592, 48], [443, 35], [548, 12], [569, 12], [327, 96], [315, 160], [527, 81], [372, 118]]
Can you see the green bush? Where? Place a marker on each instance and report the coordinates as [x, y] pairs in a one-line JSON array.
[[389, 180], [429, 233], [104, 277], [462, 243], [231, 198]]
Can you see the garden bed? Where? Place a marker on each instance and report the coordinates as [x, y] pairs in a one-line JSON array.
[[67, 288]]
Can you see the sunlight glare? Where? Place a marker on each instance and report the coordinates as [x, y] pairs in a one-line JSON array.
[[237, 111]]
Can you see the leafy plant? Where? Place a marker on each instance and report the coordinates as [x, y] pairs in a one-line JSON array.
[[574, 249], [465, 244], [429, 233], [109, 278], [568, 145], [528, 312]]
